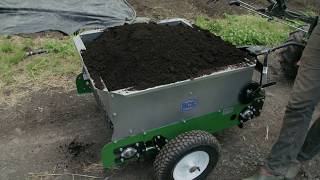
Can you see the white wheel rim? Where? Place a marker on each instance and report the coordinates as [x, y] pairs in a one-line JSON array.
[[191, 165]]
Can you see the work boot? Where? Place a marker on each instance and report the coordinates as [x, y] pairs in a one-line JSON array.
[[263, 174], [293, 171], [259, 176]]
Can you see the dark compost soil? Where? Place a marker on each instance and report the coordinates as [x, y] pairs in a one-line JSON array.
[[146, 55]]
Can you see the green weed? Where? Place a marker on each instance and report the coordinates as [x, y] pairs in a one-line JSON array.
[[64, 48], [15, 57], [246, 29], [6, 47]]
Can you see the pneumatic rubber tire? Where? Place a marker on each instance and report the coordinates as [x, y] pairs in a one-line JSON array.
[[176, 151]]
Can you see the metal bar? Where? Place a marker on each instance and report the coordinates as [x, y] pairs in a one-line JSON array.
[[248, 5], [300, 29], [253, 9]]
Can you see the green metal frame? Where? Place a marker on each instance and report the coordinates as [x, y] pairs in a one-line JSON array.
[[212, 122], [83, 86]]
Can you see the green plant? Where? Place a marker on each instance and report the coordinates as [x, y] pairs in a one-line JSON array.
[[6, 47], [15, 57], [65, 48], [10, 55], [246, 29]]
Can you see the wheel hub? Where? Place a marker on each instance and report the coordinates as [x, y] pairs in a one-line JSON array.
[[194, 168], [191, 165]]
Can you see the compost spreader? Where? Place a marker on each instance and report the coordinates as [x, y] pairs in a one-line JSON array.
[[175, 121]]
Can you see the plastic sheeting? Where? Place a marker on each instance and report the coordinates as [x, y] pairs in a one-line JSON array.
[[67, 16]]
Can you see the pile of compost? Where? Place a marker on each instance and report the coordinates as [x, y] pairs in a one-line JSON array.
[[140, 56]]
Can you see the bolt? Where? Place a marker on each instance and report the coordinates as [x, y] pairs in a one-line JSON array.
[[193, 169]]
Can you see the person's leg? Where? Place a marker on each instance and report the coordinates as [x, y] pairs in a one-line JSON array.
[[311, 146], [304, 97]]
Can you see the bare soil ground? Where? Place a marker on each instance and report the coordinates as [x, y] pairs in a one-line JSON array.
[[53, 131]]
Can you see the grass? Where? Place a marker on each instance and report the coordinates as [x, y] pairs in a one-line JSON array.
[[6, 47], [64, 48], [58, 67], [61, 59], [246, 29]]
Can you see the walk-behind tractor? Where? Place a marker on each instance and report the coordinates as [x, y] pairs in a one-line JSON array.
[[175, 121], [277, 11]]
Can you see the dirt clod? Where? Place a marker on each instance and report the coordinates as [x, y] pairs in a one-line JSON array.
[[75, 148], [146, 55]]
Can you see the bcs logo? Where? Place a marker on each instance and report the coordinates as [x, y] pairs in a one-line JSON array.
[[188, 105]]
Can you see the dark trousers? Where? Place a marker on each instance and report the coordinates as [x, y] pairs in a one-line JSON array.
[[296, 141]]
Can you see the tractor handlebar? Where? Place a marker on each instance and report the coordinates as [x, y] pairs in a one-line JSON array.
[[277, 10]]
